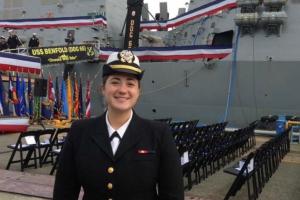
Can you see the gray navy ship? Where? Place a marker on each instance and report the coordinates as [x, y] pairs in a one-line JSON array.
[[259, 77]]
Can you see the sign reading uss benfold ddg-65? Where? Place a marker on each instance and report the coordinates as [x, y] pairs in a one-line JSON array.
[[63, 54]]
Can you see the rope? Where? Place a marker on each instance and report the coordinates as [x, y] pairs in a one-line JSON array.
[[172, 84], [233, 73]]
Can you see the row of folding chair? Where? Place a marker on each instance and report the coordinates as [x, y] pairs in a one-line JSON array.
[[28, 144], [181, 133], [36, 147], [203, 148], [266, 160], [210, 148], [54, 149], [186, 139], [224, 147], [241, 141]]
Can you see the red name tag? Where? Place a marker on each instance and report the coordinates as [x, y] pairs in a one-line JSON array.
[[143, 151]]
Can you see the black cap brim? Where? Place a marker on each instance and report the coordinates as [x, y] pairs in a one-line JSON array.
[[122, 69]]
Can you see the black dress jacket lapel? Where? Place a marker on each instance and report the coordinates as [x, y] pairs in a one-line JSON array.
[[131, 137], [100, 135]]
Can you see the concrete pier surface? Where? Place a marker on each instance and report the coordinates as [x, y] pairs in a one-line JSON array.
[[37, 184]]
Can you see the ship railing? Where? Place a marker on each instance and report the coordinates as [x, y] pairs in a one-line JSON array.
[[22, 50]]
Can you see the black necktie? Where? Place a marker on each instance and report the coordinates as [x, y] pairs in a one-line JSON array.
[[115, 143], [115, 134]]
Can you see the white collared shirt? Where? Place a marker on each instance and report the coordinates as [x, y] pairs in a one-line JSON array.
[[121, 131]]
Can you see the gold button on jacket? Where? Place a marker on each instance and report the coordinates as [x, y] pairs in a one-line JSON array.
[[110, 186], [110, 170]]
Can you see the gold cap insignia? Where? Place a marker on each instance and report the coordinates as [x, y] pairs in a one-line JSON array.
[[126, 56]]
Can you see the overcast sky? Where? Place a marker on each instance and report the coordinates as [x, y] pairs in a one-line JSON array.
[[173, 5]]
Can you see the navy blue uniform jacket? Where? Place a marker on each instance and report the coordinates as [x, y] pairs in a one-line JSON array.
[[146, 165]]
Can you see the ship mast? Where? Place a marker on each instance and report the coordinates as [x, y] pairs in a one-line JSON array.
[[133, 20]]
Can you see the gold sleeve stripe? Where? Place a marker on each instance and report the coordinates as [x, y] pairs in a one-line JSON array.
[[126, 67]]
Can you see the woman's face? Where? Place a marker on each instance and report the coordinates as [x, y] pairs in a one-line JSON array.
[[121, 92]]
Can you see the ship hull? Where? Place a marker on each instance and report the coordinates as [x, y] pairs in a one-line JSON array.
[[186, 90], [191, 90]]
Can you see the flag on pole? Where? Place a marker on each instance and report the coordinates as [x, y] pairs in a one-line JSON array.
[[17, 93], [10, 88], [57, 104], [65, 109], [3, 98], [76, 98], [51, 91], [51, 95], [70, 99], [30, 97], [80, 100], [12, 95], [37, 109], [22, 99], [88, 101]]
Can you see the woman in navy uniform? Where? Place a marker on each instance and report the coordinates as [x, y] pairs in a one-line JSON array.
[[119, 155]]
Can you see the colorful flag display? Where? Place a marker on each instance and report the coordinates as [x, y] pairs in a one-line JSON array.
[[66, 102]]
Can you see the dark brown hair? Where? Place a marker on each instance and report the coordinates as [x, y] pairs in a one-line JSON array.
[[104, 79]]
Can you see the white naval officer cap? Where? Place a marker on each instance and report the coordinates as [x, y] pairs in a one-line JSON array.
[[124, 62]]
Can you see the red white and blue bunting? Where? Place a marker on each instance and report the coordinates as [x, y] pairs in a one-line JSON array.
[[53, 22], [174, 53], [205, 10], [19, 63]]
